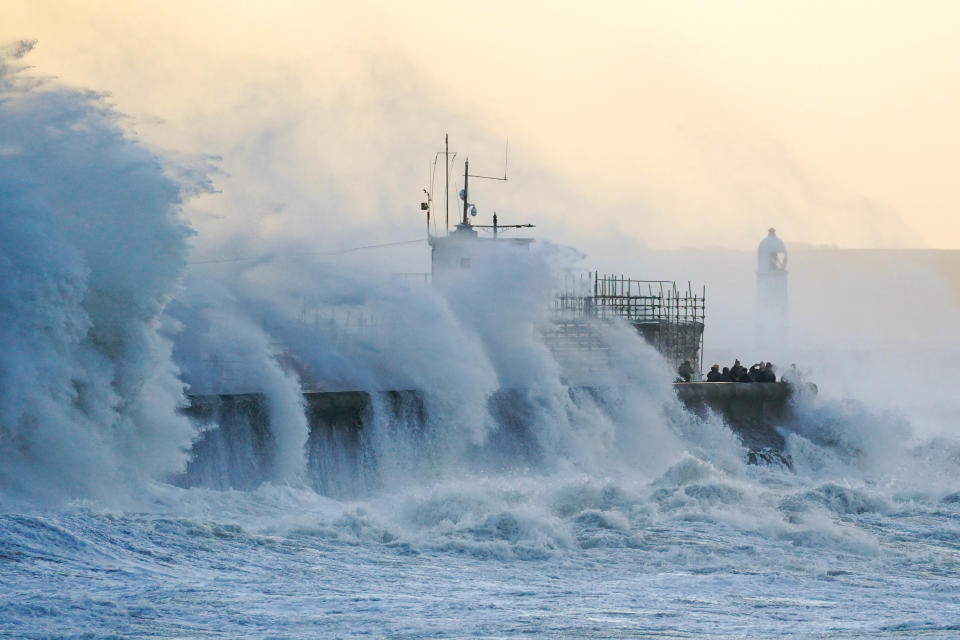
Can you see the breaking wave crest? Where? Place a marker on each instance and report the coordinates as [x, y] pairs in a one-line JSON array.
[[107, 336], [92, 248]]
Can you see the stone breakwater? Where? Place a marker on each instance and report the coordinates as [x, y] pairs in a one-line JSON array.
[[235, 445]]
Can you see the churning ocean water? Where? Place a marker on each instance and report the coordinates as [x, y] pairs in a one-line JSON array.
[[631, 519], [695, 553]]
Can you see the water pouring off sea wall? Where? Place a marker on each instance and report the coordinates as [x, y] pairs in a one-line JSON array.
[[292, 445], [110, 335], [103, 333]]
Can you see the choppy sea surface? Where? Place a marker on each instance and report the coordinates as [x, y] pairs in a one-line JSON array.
[[693, 554]]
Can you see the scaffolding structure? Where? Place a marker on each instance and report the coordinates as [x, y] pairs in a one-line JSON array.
[[669, 318]]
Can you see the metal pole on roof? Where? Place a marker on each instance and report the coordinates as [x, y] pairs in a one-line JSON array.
[[466, 189], [446, 174]]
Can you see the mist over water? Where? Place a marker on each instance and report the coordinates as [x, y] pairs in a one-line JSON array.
[[450, 522]]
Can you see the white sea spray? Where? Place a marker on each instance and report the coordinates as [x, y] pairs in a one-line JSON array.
[[92, 250], [630, 517]]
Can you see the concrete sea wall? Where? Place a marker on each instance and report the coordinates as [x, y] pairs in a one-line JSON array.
[[234, 449]]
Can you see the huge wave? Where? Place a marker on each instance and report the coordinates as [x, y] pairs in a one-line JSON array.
[[106, 328], [93, 248]]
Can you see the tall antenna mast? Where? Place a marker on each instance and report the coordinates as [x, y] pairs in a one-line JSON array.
[[466, 189], [446, 169]]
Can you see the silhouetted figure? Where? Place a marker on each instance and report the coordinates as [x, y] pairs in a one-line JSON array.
[[685, 371], [768, 373], [737, 370], [792, 376], [726, 376], [714, 374], [744, 376]]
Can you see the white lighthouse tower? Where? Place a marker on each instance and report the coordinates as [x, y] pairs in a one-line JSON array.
[[772, 326]]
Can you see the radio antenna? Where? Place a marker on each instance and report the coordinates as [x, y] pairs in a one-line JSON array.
[[446, 170], [506, 156], [504, 178]]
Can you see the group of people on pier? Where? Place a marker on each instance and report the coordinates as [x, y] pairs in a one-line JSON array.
[[759, 372]]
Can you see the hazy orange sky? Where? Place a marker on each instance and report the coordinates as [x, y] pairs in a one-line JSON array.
[[675, 124]]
